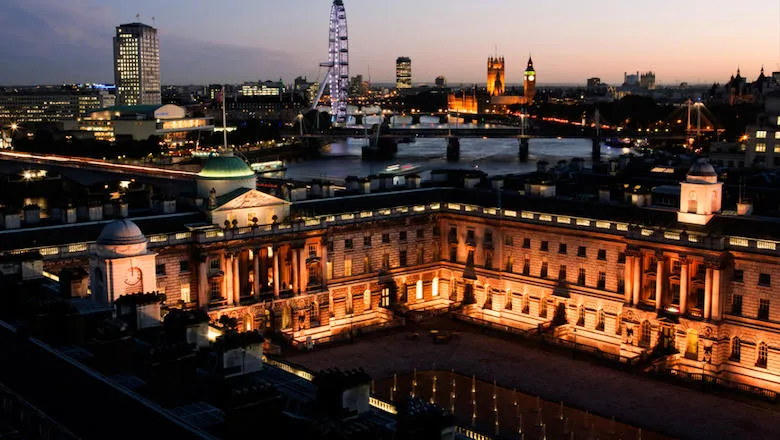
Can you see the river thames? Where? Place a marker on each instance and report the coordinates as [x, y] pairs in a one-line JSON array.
[[493, 156]]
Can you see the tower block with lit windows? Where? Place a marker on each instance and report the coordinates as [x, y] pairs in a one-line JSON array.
[[495, 76], [529, 82]]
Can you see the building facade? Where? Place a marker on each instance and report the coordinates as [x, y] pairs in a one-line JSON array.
[[403, 73], [41, 105], [137, 65], [697, 293], [496, 79], [529, 82]]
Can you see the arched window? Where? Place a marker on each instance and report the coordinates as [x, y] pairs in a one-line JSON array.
[[644, 337], [619, 324], [435, 287], [526, 301], [419, 289], [735, 349], [763, 352], [600, 320], [581, 316]]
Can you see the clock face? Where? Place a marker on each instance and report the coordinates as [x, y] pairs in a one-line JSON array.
[[133, 276], [692, 195], [531, 77]]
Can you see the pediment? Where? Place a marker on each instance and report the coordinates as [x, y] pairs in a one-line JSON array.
[[251, 199]]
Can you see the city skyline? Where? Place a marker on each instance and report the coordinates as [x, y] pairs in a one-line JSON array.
[[52, 42]]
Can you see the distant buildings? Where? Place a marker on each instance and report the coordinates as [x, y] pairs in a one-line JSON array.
[[266, 88], [647, 81], [403, 73], [762, 143], [496, 81], [44, 104], [440, 82], [137, 64]]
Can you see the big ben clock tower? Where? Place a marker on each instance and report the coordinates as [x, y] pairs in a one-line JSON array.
[[529, 82]]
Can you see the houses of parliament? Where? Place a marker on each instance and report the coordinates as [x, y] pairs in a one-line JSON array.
[[497, 98]]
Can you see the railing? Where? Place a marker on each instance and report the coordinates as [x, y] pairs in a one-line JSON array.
[[319, 222], [710, 380], [382, 405], [292, 369]]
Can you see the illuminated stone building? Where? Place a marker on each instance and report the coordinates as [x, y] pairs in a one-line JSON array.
[[464, 103], [36, 105], [137, 65], [692, 283], [496, 81], [529, 82]]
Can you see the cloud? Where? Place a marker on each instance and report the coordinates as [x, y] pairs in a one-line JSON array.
[[50, 42]]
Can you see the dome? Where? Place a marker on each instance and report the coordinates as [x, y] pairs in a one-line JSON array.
[[225, 167], [702, 168], [121, 232]]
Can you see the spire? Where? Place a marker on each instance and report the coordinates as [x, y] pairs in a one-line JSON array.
[[530, 62]]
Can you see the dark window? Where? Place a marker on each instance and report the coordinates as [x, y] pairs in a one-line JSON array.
[[562, 273], [738, 275], [509, 263], [509, 241], [453, 254], [764, 279], [545, 246], [526, 243], [562, 248], [420, 256], [736, 348], [698, 297], [600, 318], [348, 243], [543, 272], [602, 255], [581, 277], [763, 309], [436, 231], [527, 266], [622, 258], [330, 246], [160, 269], [581, 317], [420, 234], [470, 240], [675, 294], [386, 261], [184, 266], [452, 237], [582, 251], [214, 291], [402, 236], [367, 241], [763, 353], [385, 238], [489, 260], [402, 258], [736, 305], [621, 285], [366, 264], [488, 237], [602, 282]]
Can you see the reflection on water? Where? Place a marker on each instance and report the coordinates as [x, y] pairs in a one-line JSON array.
[[494, 156], [489, 408]]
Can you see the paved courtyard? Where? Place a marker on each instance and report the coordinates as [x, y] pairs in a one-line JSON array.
[[650, 404]]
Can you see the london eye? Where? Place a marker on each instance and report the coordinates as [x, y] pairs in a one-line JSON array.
[[337, 77]]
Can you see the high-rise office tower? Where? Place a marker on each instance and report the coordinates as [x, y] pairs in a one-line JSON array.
[[403, 73], [495, 76], [137, 64]]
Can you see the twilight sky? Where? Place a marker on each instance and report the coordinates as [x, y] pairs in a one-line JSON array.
[[207, 41]]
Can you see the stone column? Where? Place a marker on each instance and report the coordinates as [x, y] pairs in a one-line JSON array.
[[263, 267], [203, 282], [716, 300], [295, 271], [276, 273], [627, 284], [659, 282], [324, 261], [683, 285], [257, 256], [227, 293], [637, 279], [303, 272], [236, 280], [708, 294]]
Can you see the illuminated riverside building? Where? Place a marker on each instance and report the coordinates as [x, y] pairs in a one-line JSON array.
[[137, 65], [496, 81], [140, 122], [37, 105], [403, 73], [691, 283]]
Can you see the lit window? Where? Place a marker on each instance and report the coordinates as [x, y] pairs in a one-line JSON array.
[[761, 134], [760, 147]]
